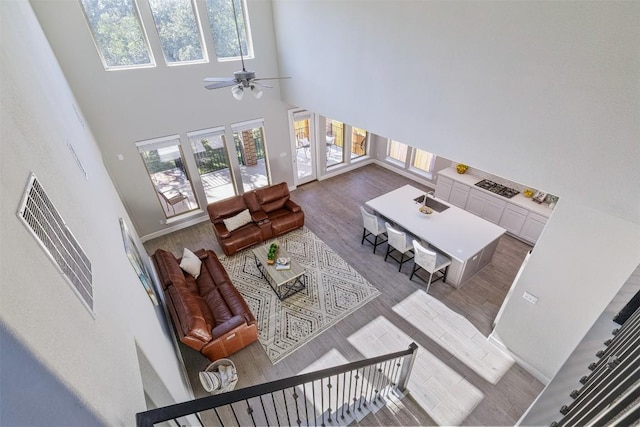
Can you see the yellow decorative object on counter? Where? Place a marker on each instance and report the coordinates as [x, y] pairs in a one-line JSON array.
[[461, 168], [527, 193]]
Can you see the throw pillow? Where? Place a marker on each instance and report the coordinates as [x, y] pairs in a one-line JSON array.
[[190, 263], [238, 220]]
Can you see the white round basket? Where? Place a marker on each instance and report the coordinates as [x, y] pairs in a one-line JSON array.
[[219, 377]]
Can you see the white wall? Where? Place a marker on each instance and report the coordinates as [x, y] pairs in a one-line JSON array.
[[542, 93], [123, 107], [95, 358]]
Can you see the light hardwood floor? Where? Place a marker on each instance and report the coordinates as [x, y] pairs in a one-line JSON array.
[[460, 378]]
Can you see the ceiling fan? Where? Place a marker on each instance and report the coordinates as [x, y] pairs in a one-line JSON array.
[[241, 80]]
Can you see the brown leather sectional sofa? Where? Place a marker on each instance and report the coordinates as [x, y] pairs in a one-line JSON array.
[[273, 213], [209, 314]]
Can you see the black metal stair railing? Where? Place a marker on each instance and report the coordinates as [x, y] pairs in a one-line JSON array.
[[333, 396]]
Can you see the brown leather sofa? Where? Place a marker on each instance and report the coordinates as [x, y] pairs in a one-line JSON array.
[[273, 213], [209, 314]]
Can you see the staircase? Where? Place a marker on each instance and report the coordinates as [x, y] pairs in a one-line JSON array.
[[367, 392]]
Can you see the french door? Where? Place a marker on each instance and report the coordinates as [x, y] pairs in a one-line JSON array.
[[303, 146]]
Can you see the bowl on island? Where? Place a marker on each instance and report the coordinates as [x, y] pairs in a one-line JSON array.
[[426, 210]]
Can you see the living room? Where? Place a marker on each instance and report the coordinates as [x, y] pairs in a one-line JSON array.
[[48, 108]]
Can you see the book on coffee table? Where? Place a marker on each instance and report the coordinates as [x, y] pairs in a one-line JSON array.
[[283, 264]]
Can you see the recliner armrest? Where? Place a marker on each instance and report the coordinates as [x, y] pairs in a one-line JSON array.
[[292, 206], [259, 216], [229, 325], [221, 230]]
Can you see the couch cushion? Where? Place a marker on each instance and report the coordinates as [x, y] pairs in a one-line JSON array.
[[225, 208], [168, 267], [237, 221], [274, 197], [190, 263]]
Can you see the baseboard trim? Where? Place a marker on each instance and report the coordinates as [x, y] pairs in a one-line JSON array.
[[495, 340], [193, 221]]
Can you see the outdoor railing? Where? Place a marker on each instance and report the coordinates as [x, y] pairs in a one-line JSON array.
[[333, 396]]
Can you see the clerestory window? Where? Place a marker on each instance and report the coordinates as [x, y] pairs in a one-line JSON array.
[[118, 33], [179, 30], [223, 28]]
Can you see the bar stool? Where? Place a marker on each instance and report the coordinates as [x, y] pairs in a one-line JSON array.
[[372, 226], [430, 260], [400, 242]]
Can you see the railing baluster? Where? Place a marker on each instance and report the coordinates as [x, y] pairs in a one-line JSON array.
[[322, 400], [376, 382], [304, 395], [295, 400], [264, 410], [387, 375], [286, 406], [215, 410], [371, 383], [348, 401], [329, 386], [313, 396], [355, 391], [250, 412], [345, 402], [233, 411], [360, 395], [275, 409]]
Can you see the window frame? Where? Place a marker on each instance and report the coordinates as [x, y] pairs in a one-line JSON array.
[[410, 155], [244, 15], [200, 33], [145, 38], [166, 142]]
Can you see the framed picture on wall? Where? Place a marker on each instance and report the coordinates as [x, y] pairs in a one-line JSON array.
[[136, 261]]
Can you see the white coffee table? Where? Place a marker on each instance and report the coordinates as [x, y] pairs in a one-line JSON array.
[[283, 282]]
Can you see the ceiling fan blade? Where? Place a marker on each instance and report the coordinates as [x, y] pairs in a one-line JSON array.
[[218, 79], [272, 78], [221, 84], [261, 84]]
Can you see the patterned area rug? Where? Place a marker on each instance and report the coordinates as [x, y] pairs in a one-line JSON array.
[[334, 290]]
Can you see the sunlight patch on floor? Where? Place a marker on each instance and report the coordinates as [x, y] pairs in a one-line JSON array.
[[455, 334], [443, 393]]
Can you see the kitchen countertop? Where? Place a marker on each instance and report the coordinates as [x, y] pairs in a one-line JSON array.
[[518, 200], [456, 232]]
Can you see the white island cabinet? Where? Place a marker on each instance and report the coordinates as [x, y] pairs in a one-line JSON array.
[[468, 240]]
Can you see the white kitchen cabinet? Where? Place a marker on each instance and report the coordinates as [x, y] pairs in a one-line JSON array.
[[533, 226], [443, 188], [513, 218], [485, 206], [459, 194]]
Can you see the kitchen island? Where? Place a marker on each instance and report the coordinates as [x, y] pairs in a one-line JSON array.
[[467, 239]]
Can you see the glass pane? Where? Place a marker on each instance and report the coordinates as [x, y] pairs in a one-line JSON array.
[[117, 32], [303, 146], [252, 158], [423, 160], [223, 28], [335, 142], [397, 150], [178, 30], [358, 142], [211, 157], [173, 187]]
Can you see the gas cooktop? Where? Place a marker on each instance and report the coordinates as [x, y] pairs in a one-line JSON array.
[[499, 189]]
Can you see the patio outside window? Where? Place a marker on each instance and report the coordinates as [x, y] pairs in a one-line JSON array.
[[358, 142], [166, 167], [250, 149], [335, 142], [210, 153]]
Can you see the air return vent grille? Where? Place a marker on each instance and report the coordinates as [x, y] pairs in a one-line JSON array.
[[43, 220]]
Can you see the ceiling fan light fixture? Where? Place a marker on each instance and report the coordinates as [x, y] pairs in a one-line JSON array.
[[237, 92], [257, 92]]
